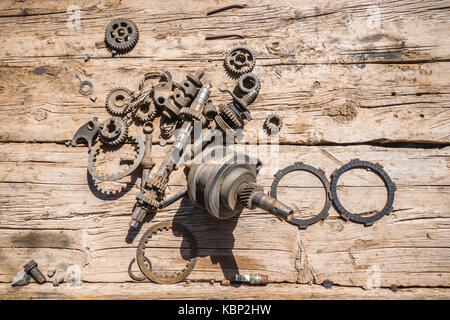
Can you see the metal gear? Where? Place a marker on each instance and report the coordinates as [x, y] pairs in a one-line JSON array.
[[247, 193], [140, 253], [378, 170], [158, 183], [117, 101], [187, 113], [273, 124], [140, 149], [146, 111], [239, 60], [247, 83], [121, 35], [228, 117], [113, 131]]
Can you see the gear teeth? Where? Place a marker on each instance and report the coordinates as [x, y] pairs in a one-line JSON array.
[[126, 45], [148, 115], [271, 128], [115, 110], [242, 89], [233, 71], [247, 193], [117, 138], [190, 114]]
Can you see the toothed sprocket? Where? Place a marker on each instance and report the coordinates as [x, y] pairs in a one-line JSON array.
[[247, 193]]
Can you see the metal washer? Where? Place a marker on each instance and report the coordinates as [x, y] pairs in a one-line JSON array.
[[378, 170], [299, 166]]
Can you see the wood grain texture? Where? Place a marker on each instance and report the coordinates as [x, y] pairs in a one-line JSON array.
[[346, 76]]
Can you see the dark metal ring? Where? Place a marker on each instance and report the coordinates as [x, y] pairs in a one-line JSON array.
[[140, 257], [132, 275], [378, 170], [85, 83], [299, 166]]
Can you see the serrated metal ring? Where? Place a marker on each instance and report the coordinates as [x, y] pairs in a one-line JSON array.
[[299, 166], [140, 257], [378, 170]]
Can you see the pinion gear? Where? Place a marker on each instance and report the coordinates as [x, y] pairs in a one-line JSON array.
[[238, 61], [117, 101], [273, 124], [190, 114], [247, 193], [121, 35], [113, 131], [146, 111]]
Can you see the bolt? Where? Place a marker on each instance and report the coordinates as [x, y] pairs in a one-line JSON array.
[[32, 269], [199, 73]]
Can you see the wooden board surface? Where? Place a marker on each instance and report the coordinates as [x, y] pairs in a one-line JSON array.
[[351, 80]]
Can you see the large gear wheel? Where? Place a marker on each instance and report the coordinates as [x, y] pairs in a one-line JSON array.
[[121, 35], [164, 278], [117, 101], [238, 61], [189, 114], [140, 149], [247, 193], [113, 131]]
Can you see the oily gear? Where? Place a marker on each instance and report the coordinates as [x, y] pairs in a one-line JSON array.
[[117, 101], [247, 83], [113, 131], [247, 193], [190, 115], [146, 111], [273, 124], [228, 117], [121, 35], [238, 61]]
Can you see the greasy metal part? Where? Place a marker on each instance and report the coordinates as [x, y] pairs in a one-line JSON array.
[[113, 131], [140, 253], [242, 103], [378, 170], [224, 36], [132, 275], [209, 111], [177, 196], [247, 83], [252, 279], [140, 209], [247, 194], [86, 132], [140, 146], [271, 205], [273, 124], [32, 269], [121, 35], [156, 185], [238, 6], [239, 60], [116, 101], [171, 97], [299, 166], [215, 185], [84, 83]]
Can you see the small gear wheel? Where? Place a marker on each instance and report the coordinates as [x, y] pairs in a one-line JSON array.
[[113, 131], [238, 61], [273, 124], [116, 101], [229, 114], [247, 83], [189, 114], [146, 111], [121, 35], [247, 193]]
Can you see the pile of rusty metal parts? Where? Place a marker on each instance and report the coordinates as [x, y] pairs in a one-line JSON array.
[[223, 187]]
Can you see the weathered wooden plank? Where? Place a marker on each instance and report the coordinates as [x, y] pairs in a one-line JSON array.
[[319, 104], [412, 240], [305, 31], [207, 291]]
